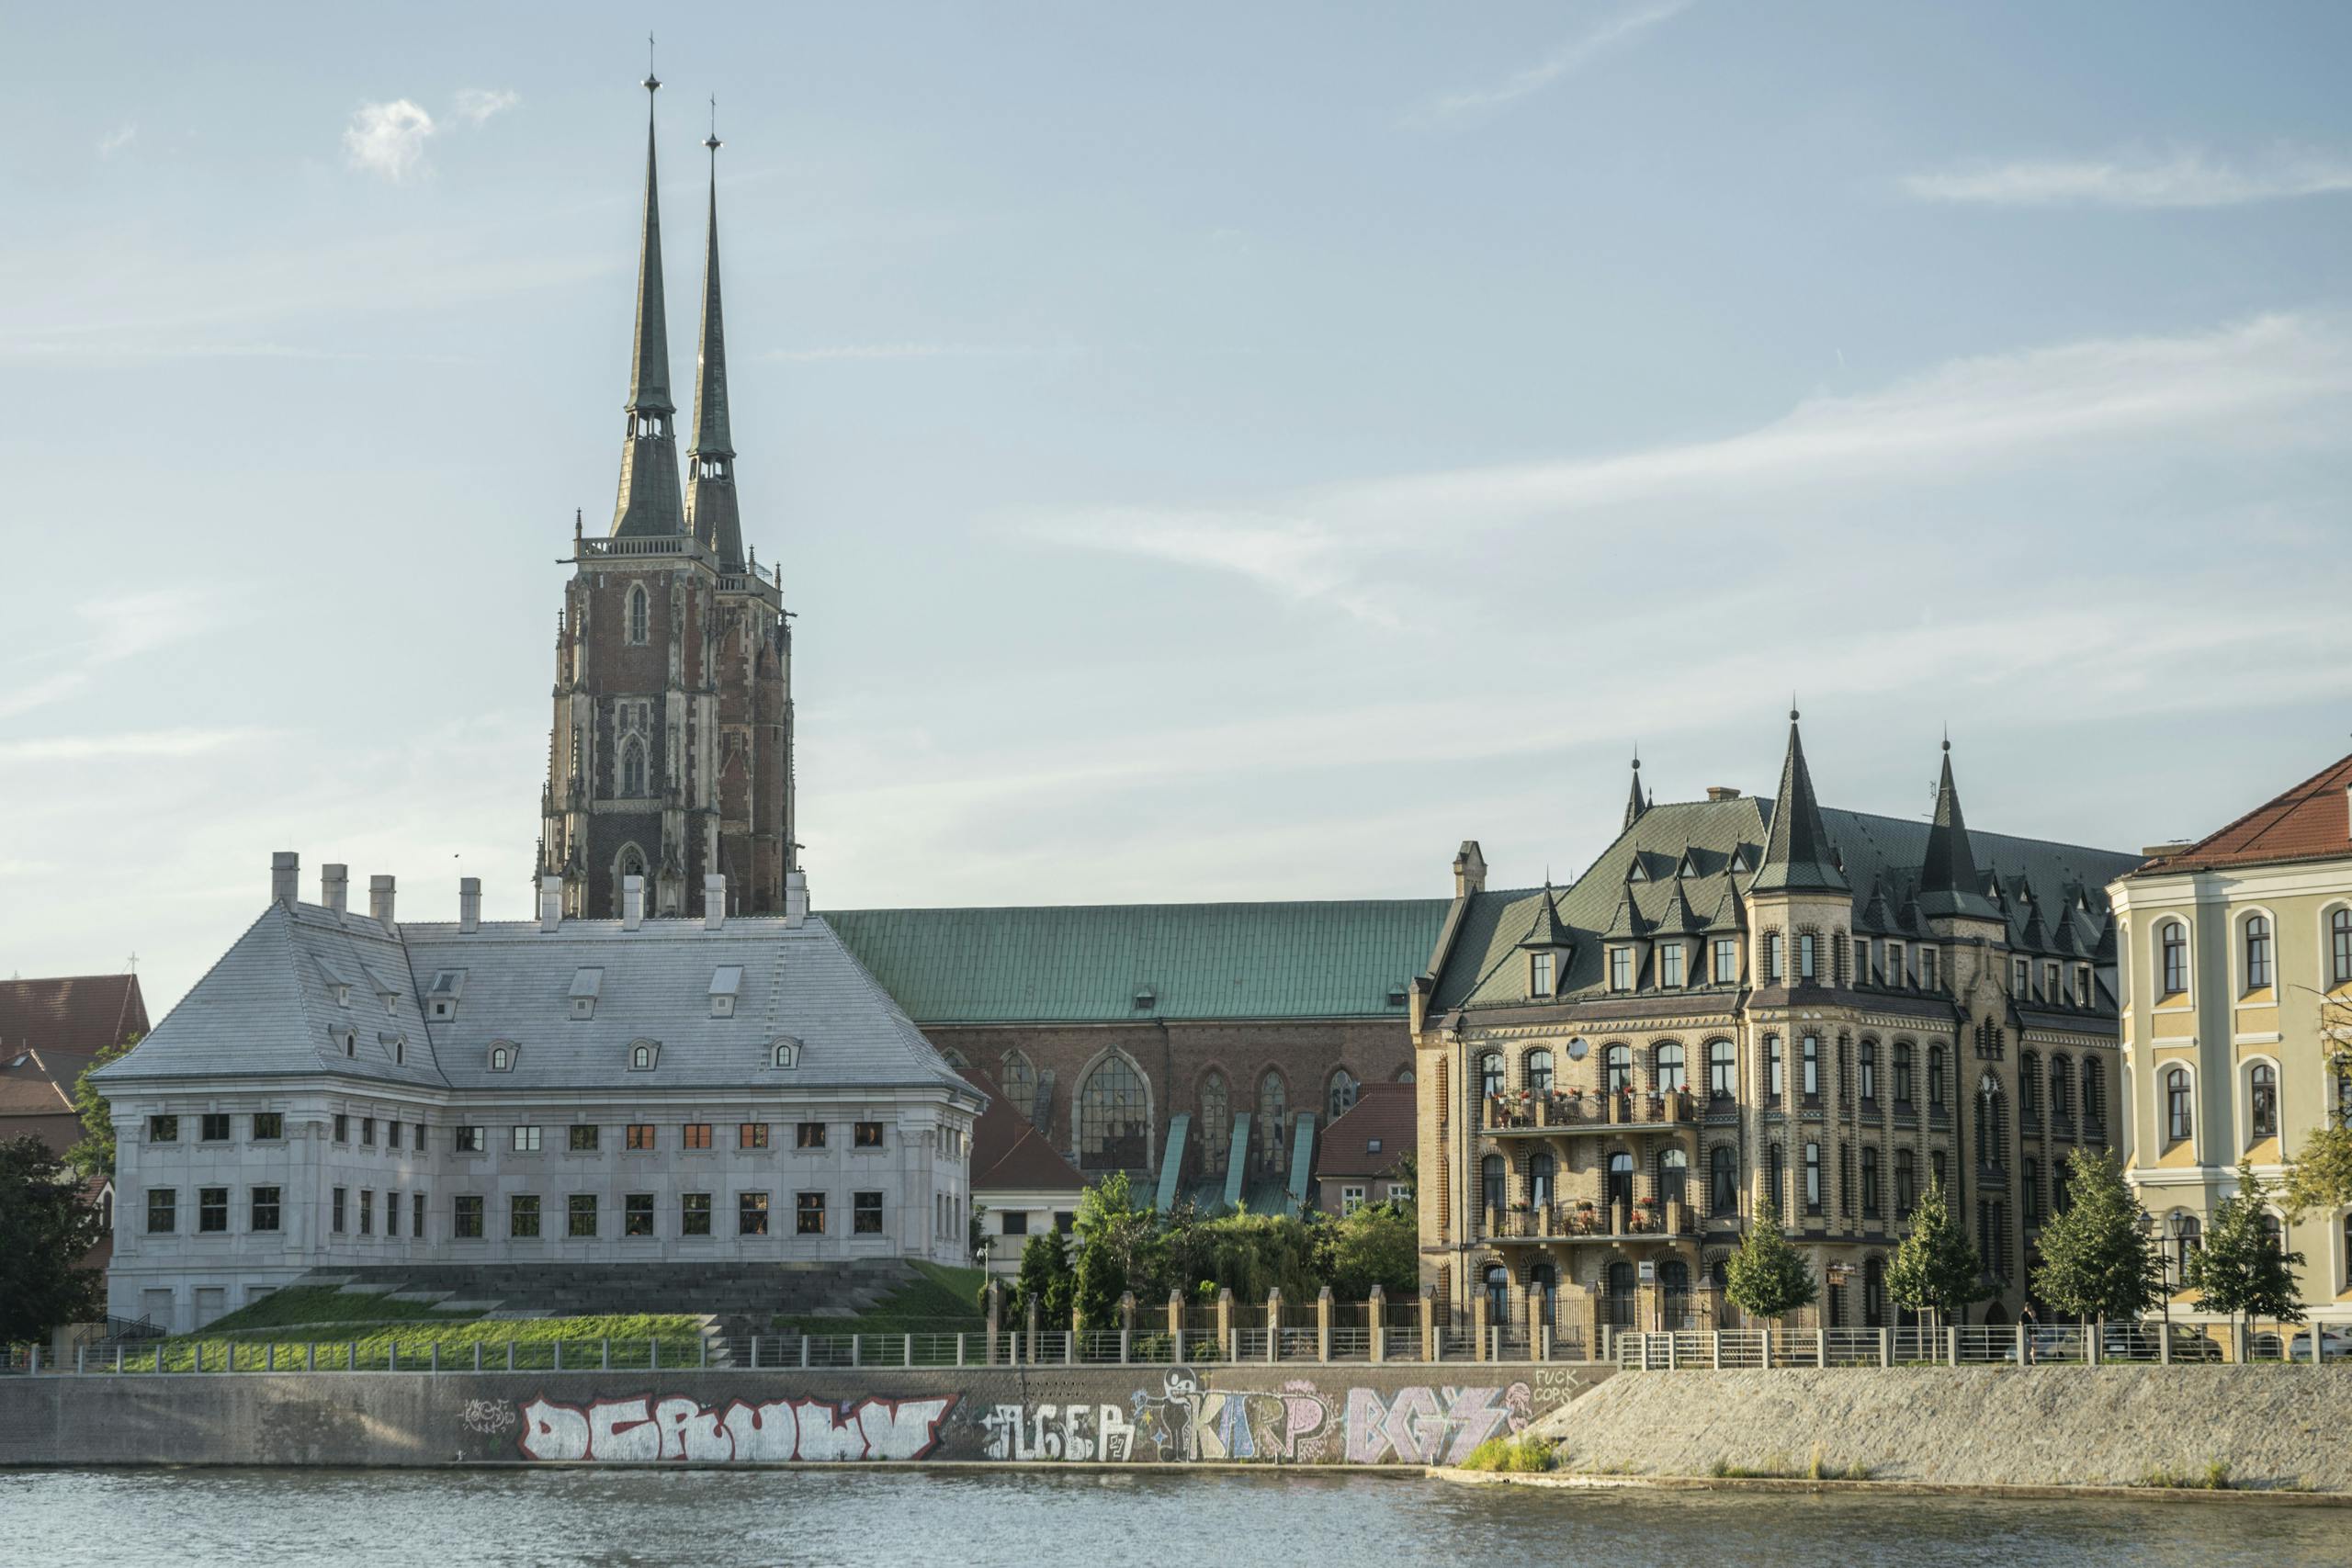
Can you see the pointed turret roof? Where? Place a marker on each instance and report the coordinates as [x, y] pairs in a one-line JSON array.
[[649, 502], [1677, 915], [1636, 805], [711, 514], [1798, 855], [1628, 924], [1947, 880], [1547, 931], [1876, 915]]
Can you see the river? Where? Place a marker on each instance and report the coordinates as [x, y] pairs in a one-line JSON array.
[[132, 1518]]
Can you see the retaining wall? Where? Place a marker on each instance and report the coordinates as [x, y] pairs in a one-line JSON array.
[[1302, 1413], [2276, 1426]]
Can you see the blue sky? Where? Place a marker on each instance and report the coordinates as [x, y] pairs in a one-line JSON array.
[[1218, 451]]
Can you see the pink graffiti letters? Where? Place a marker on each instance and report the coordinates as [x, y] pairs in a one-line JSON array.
[[1424, 1425], [647, 1430]]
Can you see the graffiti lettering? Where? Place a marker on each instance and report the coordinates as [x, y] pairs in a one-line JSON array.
[[641, 1430], [1425, 1425]]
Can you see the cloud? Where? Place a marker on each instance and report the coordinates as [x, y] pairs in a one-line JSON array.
[[120, 137], [148, 745], [1569, 58], [1295, 558], [2189, 177], [116, 628], [475, 105], [854, 351], [387, 139]]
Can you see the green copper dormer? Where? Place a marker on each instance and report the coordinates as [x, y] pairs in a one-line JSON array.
[[711, 514], [649, 503], [1798, 855], [1949, 884]]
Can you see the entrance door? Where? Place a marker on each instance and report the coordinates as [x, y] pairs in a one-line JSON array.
[[1617, 1299]]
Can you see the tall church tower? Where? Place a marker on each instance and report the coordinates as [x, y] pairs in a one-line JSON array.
[[670, 753]]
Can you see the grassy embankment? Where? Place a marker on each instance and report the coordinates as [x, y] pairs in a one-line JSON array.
[[940, 1300]]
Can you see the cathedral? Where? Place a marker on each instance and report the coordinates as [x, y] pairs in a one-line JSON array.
[[670, 757]]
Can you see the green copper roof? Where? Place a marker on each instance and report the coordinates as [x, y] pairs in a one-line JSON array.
[[1090, 964]]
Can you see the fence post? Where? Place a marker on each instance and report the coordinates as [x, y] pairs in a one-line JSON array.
[[1224, 1322], [908, 1351], [1375, 1308], [1176, 1326], [2163, 1345], [1029, 1352], [1715, 1349], [1670, 1358], [1478, 1326], [350, 1357], [436, 1355], [959, 1347], [1323, 1325], [605, 1349], [118, 1355], [1070, 1346], [1127, 1346], [1642, 1340], [2024, 1347], [268, 1364], [2092, 1334], [653, 1354], [1126, 1324], [1885, 1346], [509, 1355], [702, 1352], [1951, 1344], [33, 1364], [2315, 1328], [558, 1353], [1821, 1346], [857, 1349], [311, 1357], [1273, 1325], [1431, 1350]]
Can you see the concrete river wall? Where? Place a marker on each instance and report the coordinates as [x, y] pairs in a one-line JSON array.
[[1300, 1413]]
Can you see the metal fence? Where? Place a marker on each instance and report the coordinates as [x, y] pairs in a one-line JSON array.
[[2149, 1342]]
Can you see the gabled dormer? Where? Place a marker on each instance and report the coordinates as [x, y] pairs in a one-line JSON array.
[[1547, 946], [442, 997]]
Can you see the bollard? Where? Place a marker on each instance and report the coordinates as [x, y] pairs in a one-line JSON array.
[[2315, 1348], [652, 1355], [1885, 1346], [605, 1351], [558, 1354], [804, 1352], [509, 1355], [1375, 1311], [32, 1363], [81, 1359], [959, 1348], [476, 1355], [2163, 1345]]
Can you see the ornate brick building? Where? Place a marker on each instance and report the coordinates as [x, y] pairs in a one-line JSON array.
[[671, 752], [1743, 999]]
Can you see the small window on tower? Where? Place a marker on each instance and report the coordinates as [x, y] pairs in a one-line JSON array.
[[638, 613]]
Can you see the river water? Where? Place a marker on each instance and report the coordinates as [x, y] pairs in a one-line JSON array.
[[974, 1520]]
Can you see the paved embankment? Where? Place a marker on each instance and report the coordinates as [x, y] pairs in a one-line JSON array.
[[2274, 1426], [1293, 1414]]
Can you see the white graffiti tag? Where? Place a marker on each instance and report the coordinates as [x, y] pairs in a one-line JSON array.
[[625, 1431]]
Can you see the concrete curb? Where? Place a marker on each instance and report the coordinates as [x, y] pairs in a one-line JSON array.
[[1573, 1483]]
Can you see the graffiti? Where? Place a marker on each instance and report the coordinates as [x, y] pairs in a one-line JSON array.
[[488, 1416], [646, 1430], [1185, 1423]]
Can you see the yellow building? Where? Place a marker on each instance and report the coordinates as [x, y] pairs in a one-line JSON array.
[[2233, 948]]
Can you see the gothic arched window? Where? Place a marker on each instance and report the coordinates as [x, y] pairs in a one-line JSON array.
[[1217, 1120], [632, 766], [1114, 1120], [1273, 1112], [1341, 1095], [1020, 1081], [638, 613]]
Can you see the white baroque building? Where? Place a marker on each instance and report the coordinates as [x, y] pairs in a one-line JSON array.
[[345, 1090]]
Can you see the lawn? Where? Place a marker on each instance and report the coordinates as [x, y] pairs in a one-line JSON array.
[[940, 1300], [371, 1346], [324, 1303]]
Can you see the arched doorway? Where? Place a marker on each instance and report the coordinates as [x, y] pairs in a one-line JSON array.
[[1617, 1295], [1497, 1286]]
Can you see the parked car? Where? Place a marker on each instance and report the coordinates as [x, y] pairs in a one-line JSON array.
[[2334, 1343]]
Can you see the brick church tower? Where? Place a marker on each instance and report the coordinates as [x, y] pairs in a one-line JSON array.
[[671, 754]]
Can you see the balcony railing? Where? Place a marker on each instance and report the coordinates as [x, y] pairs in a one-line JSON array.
[[1571, 1110], [1582, 1220]]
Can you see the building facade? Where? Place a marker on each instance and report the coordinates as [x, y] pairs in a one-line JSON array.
[[2237, 1020], [1746, 1000], [670, 755], [347, 1091]]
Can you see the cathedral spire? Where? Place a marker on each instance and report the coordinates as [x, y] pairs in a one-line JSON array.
[[1798, 855], [648, 504], [1948, 883], [711, 514]]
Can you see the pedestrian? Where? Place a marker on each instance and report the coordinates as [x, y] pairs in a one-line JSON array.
[[2026, 1320]]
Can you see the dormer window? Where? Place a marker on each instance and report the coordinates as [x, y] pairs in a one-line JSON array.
[[642, 1055], [725, 982], [1372, 1145], [2020, 977], [1669, 966], [342, 996], [502, 1056], [441, 998], [2082, 985], [1620, 968], [350, 1042], [784, 1051], [1396, 993], [1145, 999], [395, 1046], [1739, 859], [1638, 871], [586, 985], [1928, 977], [1541, 974], [1896, 973]]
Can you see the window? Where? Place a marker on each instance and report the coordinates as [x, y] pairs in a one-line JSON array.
[[1934, 1077], [367, 1211], [697, 1134], [465, 1217], [1810, 1065], [1114, 1128], [1339, 1096], [2187, 1238], [1491, 1189], [1775, 1069], [1813, 1178], [694, 1214], [2032, 1168], [750, 1214], [580, 1215], [1539, 1071], [1671, 1076], [1272, 1109], [2178, 1118], [751, 1135], [640, 1058], [264, 1209], [417, 1211], [1903, 1075], [1617, 1068], [1541, 1175], [1619, 1187], [1727, 960], [1490, 1074], [1020, 1081], [584, 1138], [367, 1132], [1897, 972], [639, 1135], [2082, 985], [166, 1129], [522, 1215], [1350, 1200], [1772, 959], [866, 1136], [163, 1210], [1669, 964], [1861, 960], [2172, 944], [1065, 1222], [1808, 957], [472, 1139], [2049, 983], [1723, 1180], [1217, 1120], [2339, 946], [268, 1125], [1907, 1182], [637, 612], [637, 1213], [808, 1213], [1723, 1070], [2257, 952], [1868, 1058], [2262, 1096], [2020, 977], [1620, 968], [2094, 1092], [2029, 1084], [808, 1135], [1775, 1171], [391, 1214], [336, 1210], [212, 1127], [500, 1058], [1539, 974], [1927, 968], [1674, 1176], [2061, 1087], [1016, 1222], [526, 1140], [865, 1213], [392, 1135]]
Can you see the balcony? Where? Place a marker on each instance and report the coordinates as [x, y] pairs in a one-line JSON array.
[[1564, 1113], [1585, 1221]]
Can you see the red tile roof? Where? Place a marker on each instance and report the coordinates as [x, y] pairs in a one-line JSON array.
[[83, 1013], [2310, 821], [39, 1083], [1383, 1115], [1008, 1153]]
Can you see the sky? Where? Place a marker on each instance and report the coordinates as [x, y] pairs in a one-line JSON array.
[[1220, 451]]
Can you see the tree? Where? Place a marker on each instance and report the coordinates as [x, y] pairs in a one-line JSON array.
[[2098, 1258], [1767, 1277], [1377, 1245], [2242, 1269], [46, 1229], [1118, 1250], [1936, 1268], [2321, 1174], [1046, 1278], [93, 1155]]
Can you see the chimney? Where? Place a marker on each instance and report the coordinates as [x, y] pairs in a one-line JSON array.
[[334, 886], [714, 902], [469, 904], [285, 877], [551, 906], [632, 902], [379, 900], [1722, 792], [1469, 870], [795, 898]]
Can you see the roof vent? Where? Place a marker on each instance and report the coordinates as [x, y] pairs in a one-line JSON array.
[[469, 904], [1145, 1000]]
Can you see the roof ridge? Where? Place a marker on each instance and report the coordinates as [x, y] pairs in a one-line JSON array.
[[2294, 792]]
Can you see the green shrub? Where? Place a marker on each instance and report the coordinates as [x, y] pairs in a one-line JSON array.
[[1524, 1455], [2214, 1477]]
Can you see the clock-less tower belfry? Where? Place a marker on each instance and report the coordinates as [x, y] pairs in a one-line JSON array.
[[670, 753]]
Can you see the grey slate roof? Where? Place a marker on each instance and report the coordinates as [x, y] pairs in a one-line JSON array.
[[267, 1008], [1799, 856]]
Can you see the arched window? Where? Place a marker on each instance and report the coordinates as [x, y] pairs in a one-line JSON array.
[[1723, 1070], [2180, 1120], [1617, 1068], [2094, 1091], [500, 1058], [1903, 1074], [2262, 1100], [1934, 1077], [785, 1052], [1490, 1074], [1992, 1133], [2258, 952], [1497, 1279], [2274, 1235], [2061, 1087], [1339, 1095], [2029, 1085], [2187, 1236], [1672, 1077], [2172, 943], [632, 864], [1620, 1189], [640, 1057], [1539, 1178], [1491, 1189], [1723, 1180], [1674, 1281], [1019, 1080], [1216, 1121], [1673, 1175], [632, 766], [1866, 1059], [1273, 1114], [1113, 1117], [1539, 1071], [2339, 947], [956, 1059], [1776, 1176], [637, 612]]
